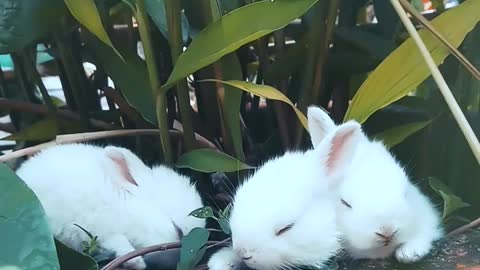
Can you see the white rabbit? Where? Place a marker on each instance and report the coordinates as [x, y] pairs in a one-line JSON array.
[[284, 215], [112, 194], [380, 211]]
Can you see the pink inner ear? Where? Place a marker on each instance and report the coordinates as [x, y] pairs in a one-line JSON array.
[[336, 150], [123, 167]]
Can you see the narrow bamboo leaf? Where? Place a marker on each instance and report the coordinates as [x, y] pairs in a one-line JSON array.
[[396, 135], [264, 91], [130, 76], [206, 160], [25, 233], [233, 30], [87, 14], [404, 69]]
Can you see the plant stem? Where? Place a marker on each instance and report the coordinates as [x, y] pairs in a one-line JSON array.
[[174, 23], [279, 107], [38, 81], [71, 69], [161, 102], [442, 85]]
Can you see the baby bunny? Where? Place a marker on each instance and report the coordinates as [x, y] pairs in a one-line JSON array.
[[284, 215], [380, 210], [112, 194]]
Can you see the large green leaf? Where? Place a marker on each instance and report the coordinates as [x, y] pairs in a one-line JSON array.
[[130, 76], [233, 30], [87, 14], [73, 260], [24, 21], [265, 91], [193, 248], [206, 160], [156, 10], [27, 242], [396, 135], [404, 69]]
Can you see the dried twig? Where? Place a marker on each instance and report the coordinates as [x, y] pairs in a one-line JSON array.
[[89, 136], [472, 225], [442, 85], [140, 252], [22, 106]]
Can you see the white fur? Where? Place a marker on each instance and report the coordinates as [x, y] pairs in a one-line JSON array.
[[382, 199], [298, 188], [224, 259], [81, 184]]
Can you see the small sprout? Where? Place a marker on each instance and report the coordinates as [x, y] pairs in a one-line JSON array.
[[89, 247]]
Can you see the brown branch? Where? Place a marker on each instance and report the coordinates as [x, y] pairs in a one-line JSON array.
[[123, 105], [7, 127], [22, 106], [472, 225], [89, 136], [140, 252]]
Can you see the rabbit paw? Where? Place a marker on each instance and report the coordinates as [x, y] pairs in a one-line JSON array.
[[135, 264], [224, 259], [412, 251]]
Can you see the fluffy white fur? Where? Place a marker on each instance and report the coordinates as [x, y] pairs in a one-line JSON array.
[[298, 189], [382, 200], [92, 186]]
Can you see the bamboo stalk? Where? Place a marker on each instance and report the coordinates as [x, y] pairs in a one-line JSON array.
[[174, 23], [442, 85], [160, 99]]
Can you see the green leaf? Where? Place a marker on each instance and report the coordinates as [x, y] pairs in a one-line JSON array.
[[264, 91], [404, 69], [396, 135], [26, 21], [233, 30], [231, 109], [73, 260], [129, 75], [156, 10], [193, 248], [224, 225], [208, 161], [26, 237], [87, 14], [45, 130], [451, 202], [204, 212]]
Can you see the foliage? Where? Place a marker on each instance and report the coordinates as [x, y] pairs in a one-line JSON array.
[[236, 96]]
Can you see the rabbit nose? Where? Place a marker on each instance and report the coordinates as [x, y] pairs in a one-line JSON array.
[[387, 236]]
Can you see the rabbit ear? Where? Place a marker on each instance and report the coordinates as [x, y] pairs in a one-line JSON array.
[[338, 148], [319, 124], [119, 157]]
